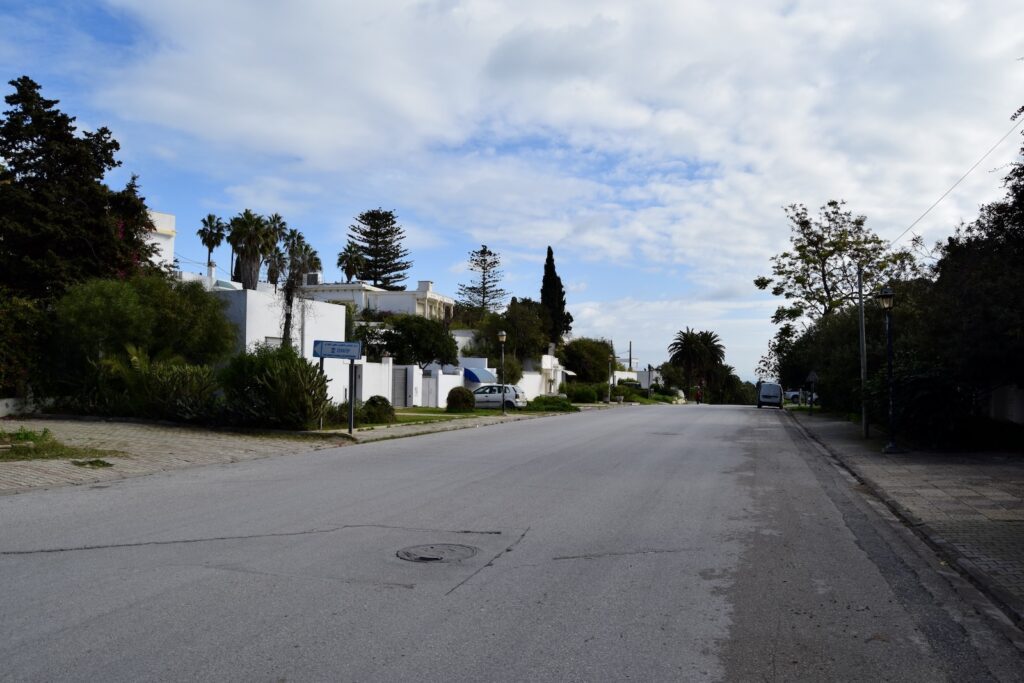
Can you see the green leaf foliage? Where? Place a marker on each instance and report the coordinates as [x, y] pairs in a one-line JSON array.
[[588, 358], [483, 295], [558, 320], [59, 223], [99, 319], [818, 275], [460, 400], [415, 340], [378, 236], [275, 388], [21, 321]]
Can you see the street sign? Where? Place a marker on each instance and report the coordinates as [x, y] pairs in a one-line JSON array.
[[337, 349], [812, 377]]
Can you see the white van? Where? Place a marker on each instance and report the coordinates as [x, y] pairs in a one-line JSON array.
[[769, 394]]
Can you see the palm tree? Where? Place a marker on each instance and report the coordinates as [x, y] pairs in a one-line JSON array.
[[301, 258], [685, 352], [253, 239], [277, 263], [351, 260], [211, 235], [714, 350]]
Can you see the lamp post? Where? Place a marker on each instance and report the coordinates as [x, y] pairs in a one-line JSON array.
[[501, 338], [886, 299]]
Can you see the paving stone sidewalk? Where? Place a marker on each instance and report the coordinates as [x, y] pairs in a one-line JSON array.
[[968, 505], [146, 448]]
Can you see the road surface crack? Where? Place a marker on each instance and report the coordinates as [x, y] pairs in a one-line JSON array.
[[494, 559], [595, 556], [214, 539]]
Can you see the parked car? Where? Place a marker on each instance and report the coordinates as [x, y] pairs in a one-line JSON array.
[[770, 394], [489, 396], [794, 396]]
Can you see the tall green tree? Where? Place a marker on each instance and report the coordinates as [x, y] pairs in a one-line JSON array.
[[818, 275], [253, 238], [379, 237], [979, 297], [351, 261], [211, 234], [552, 298], [300, 258], [484, 294], [413, 339], [588, 358], [59, 223]]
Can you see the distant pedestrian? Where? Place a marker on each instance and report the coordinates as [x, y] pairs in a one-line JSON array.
[[700, 395]]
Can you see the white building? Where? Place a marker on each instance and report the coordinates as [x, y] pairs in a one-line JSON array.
[[422, 301], [163, 238]]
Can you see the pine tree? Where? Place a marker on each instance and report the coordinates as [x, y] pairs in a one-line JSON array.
[[59, 223], [483, 295], [379, 237], [552, 298]]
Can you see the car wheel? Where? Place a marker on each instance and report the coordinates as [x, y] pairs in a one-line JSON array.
[[510, 405]]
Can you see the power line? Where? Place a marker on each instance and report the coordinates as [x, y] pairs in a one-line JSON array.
[[953, 186]]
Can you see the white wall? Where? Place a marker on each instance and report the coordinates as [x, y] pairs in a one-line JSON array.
[[446, 383], [374, 379], [532, 383], [259, 317]]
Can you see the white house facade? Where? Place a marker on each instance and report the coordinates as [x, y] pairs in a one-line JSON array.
[[423, 300]]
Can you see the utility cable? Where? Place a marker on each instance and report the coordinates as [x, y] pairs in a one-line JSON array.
[[953, 186]]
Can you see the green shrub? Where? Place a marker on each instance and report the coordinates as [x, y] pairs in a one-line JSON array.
[[378, 410], [460, 400], [336, 415], [551, 404], [131, 384], [274, 387], [581, 393]]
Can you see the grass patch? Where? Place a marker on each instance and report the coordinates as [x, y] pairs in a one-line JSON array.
[[27, 445]]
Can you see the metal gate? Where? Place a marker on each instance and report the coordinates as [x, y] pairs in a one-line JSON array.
[[399, 387]]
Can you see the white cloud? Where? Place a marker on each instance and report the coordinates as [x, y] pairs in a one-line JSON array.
[[661, 136]]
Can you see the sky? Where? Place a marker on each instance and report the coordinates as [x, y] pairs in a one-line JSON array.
[[651, 144]]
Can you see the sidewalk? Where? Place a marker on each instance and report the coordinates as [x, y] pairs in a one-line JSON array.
[[146, 448], [968, 505]]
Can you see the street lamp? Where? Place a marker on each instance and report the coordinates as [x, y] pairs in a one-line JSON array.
[[885, 299], [501, 338]]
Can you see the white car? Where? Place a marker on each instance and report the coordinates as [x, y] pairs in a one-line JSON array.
[[770, 394], [489, 396]]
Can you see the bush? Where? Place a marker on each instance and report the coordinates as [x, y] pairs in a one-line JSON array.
[[378, 410], [157, 390], [551, 404], [460, 400], [581, 393], [336, 415], [270, 387]]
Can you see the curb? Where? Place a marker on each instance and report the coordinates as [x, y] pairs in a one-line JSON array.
[[1011, 605]]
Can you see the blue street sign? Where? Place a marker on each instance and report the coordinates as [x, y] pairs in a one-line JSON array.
[[337, 349]]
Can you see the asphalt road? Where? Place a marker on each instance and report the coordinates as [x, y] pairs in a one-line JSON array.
[[674, 543]]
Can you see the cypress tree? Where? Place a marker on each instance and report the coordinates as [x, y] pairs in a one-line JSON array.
[[552, 298], [379, 237]]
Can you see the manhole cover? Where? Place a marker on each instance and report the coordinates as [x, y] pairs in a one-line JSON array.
[[437, 552]]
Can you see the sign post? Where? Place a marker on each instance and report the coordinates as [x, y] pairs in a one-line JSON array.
[[812, 377], [350, 351]]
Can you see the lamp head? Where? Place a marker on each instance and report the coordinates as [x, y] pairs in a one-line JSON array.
[[502, 336], [885, 298]]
